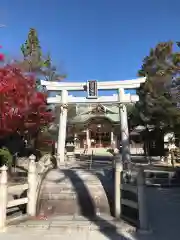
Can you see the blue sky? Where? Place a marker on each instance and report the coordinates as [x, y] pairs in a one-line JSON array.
[[91, 39]]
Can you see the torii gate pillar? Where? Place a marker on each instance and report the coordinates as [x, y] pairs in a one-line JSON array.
[[62, 127], [121, 99], [126, 157]]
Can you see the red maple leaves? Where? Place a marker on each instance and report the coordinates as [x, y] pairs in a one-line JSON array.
[[21, 106], [2, 57]]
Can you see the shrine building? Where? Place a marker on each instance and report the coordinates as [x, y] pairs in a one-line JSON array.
[[96, 125]]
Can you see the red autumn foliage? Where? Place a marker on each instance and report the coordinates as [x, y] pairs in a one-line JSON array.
[[2, 57], [21, 106]]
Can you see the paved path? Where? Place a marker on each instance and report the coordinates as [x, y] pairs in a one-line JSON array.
[[80, 235], [72, 191], [164, 215], [66, 228]]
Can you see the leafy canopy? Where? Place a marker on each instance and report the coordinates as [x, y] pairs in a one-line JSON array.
[[22, 107], [34, 60], [158, 102]]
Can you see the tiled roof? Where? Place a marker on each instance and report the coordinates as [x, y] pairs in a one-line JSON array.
[[87, 112], [86, 117]]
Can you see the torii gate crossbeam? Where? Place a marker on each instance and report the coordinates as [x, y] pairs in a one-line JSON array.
[[121, 98]]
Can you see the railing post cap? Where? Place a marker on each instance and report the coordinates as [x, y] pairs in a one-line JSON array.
[[32, 157], [4, 168], [116, 151]]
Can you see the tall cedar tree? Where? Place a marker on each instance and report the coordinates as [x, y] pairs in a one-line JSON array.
[[34, 61], [158, 104]]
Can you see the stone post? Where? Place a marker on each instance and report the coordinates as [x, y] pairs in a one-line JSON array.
[[32, 185], [117, 186], [62, 128], [124, 130], [142, 203], [3, 197]]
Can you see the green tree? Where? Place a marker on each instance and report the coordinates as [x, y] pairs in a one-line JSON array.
[[35, 62], [32, 54], [50, 72], [157, 103]]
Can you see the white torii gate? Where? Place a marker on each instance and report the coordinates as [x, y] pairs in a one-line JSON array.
[[121, 98]]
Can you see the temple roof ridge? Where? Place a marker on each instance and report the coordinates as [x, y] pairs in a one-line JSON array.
[[98, 108]]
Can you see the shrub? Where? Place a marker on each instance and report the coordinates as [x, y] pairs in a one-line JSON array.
[[6, 157]]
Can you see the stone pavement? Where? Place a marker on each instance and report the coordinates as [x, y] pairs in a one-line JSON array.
[[72, 191], [66, 228], [69, 236], [164, 214]]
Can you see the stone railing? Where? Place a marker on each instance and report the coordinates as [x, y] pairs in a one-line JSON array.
[[130, 197], [36, 173], [44, 165], [133, 199]]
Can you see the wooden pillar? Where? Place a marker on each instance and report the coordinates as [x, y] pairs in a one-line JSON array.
[[112, 138], [88, 138], [115, 141], [75, 140]]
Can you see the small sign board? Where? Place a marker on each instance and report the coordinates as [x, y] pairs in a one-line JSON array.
[[92, 89]]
